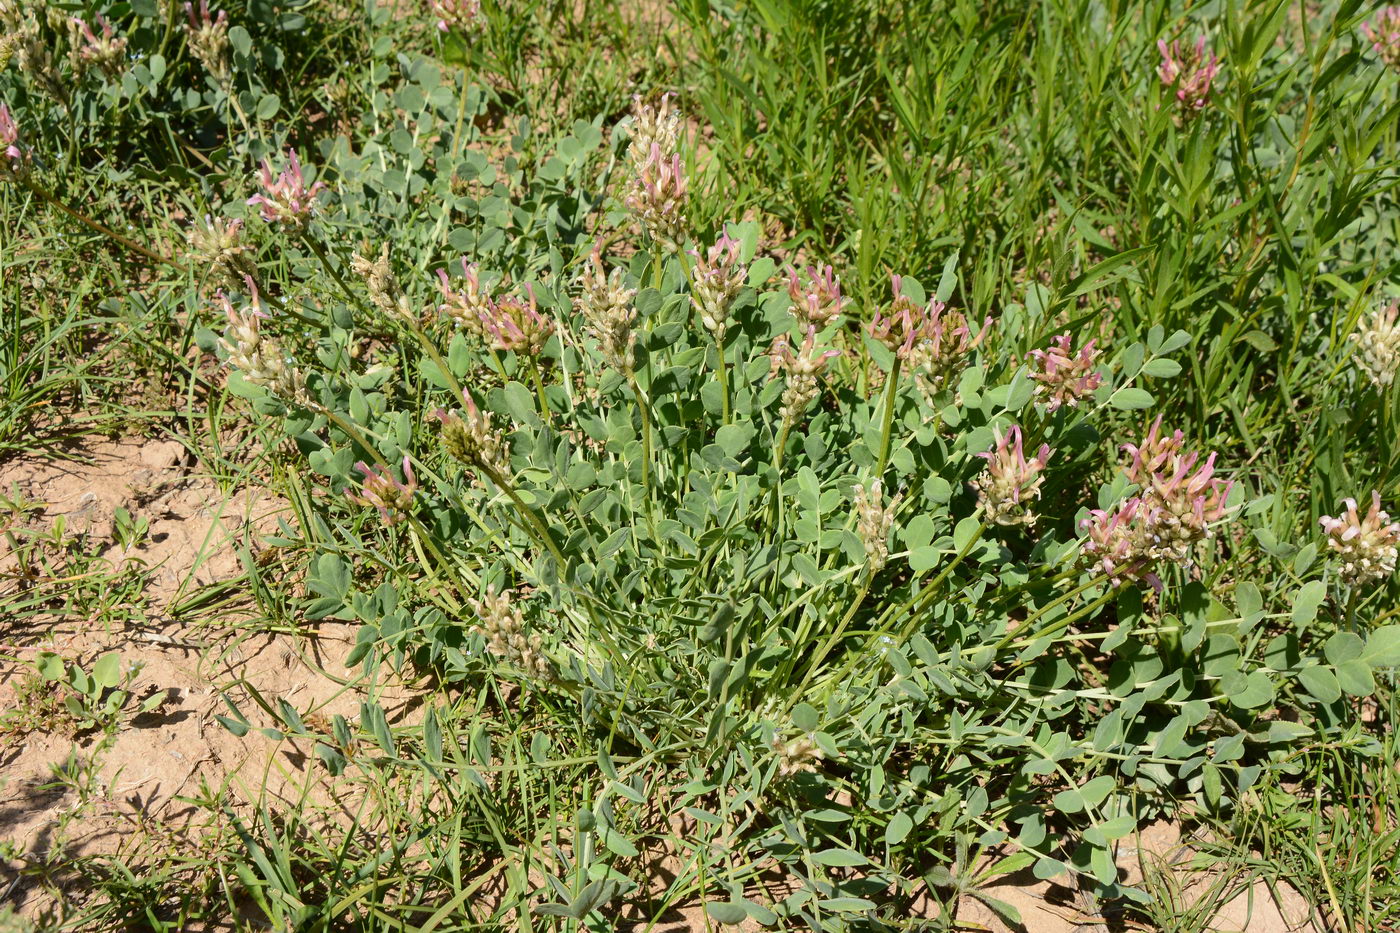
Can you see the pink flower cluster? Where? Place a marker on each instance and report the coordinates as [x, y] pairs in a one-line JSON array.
[[508, 323], [106, 52], [802, 369], [1188, 72], [817, 301], [473, 440], [718, 277], [286, 200], [1383, 32], [1064, 376], [657, 198], [15, 157], [1011, 482], [1179, 499], [393, 499], [462, 15], [1368, 546]]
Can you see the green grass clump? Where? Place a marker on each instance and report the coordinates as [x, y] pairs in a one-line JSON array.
[[892, 460]]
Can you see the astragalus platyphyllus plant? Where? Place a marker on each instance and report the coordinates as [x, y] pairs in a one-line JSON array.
[[1377, 340], [1187, 72], [286, 199], [736, 519], [1383, 33], [1365, 546]]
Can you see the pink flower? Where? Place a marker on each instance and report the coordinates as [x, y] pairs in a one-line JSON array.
[[16, 157], [463, 15], [1384, 35], [517, 325], [1120, 542], [802, 369], [1189, 72], [469, 306], [718, 277], [818, 300], [107, 52], [286, 200], [1368, 546], [657, 198], [1065, 377], [1011, 482], [381, 490]]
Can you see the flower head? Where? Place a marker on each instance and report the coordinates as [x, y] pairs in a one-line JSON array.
[[106, 52], [1063, 377], [1121, 542], [206, 36], [657, 196], [1011, 482], [816, 301], [1189, 73], [464, 16], [515, 324], [606, 304], [1378, 345], [473, 440], [1383, 32], [217, 245], [718, 277], [1367, 546], [802, 369], [383, 287], [507, 637], [466, 307], [874, 519], [393, 499], [287, 200], [654, 125], [258, 356], [933, 341], [796, 755]]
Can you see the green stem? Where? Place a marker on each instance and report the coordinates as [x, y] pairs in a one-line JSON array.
[[100, 228], [723, 379], [891, 389], [646, 430], [1030, 620], [353, 433], [539, 388], [541, 531], [829, 644], [332, 271]]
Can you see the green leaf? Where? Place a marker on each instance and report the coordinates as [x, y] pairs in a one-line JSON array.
[[1307, 601], [1354, 677], [727, 912], [520, 402], [1131, 398], [898, 828], [1161, 368], [107, 672], [1383, 647], [734, 439], [839, 858], [1320, 683], [1343, 647]]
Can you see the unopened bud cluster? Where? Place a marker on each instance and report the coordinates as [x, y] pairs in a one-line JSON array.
[[381, 490], [217, 245], [503, 627], [1011, 483], [1062, 376], [1378, 345], [1366, 546], [206, 36], [656, 126], [256, 355], [606, 304], [383, 287], [718, 277], [463, 16], [817, 300], [874, 519], [796, 755], [472, 439], [801, 370]]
